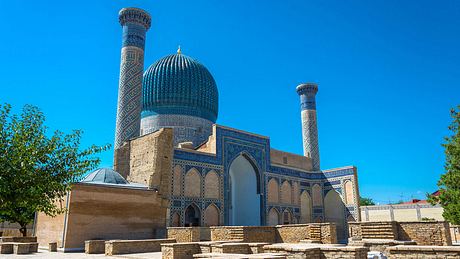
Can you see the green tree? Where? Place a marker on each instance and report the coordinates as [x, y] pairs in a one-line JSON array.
[[37, 170], [449, 184], [366, 201]]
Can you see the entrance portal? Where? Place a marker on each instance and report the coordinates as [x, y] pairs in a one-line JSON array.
[[244, 195]]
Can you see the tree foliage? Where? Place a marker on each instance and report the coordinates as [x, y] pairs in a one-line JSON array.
[[449, 184], [366, 201], [37, 170]]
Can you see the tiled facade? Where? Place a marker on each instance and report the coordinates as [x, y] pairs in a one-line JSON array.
[[281, 187]]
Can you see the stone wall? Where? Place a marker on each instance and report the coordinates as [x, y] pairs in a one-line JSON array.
[[103, 212], [12, 229], [50, 229], [323, 252], [422, 232], [116, 247], [244, 233], [260, 234], [425, 233], [151, 160], [328, 233], [278, 157], [179, 250], [292, 233], [121, 162], [185, 234], [276, 234], [426, 252]]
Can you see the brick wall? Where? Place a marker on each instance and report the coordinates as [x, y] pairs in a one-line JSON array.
[[422, 232], [425, 233], [185, 234], [179, 250], [426, 252], [328, 233], [292, 233], [151, 160], [260, 234], [115, 247], [276, 234]]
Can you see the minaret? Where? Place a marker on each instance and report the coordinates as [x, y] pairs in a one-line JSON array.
[[307, 94], [135, 23]]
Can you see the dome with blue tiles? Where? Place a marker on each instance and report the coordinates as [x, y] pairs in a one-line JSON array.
[[178, 84]]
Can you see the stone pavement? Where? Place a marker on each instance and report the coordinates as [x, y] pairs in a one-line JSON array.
[[44, 254]]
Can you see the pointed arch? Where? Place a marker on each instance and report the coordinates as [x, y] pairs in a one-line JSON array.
[[211, 216], [192, 216], [177, 180], [192, 186], [286, 192], [334, 211], [212, 185], [273, 217], [287, 217], [273, 191], [245, 202], [254, 165], [305, 207]]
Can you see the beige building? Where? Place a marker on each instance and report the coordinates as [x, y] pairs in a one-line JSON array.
[[408, 212]]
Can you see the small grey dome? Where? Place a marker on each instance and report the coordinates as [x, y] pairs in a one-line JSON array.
[[104, 175]]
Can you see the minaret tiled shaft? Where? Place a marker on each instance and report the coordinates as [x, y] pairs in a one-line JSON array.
[[307, 93], [135, 23]]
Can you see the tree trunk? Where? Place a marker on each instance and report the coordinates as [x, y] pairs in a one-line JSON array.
[[23, 230]]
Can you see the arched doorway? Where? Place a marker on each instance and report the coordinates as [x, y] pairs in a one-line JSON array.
[[244, 194], [192, 216], [335, 212], [287, 217]]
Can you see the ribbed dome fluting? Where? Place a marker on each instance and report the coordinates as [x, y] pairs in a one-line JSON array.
[[178, 84]]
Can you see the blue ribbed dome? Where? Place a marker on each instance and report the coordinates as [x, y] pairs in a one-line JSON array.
[[178, 84]]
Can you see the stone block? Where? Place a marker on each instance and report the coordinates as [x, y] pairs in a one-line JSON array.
[[20, 248], [33, 247], [115, 247], [95, 246], [52, 247], [6, 248]]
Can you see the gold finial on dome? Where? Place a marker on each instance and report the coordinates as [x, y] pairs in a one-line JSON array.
[[179, 51]]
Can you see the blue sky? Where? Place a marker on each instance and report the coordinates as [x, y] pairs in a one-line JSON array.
[[388, 73]]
